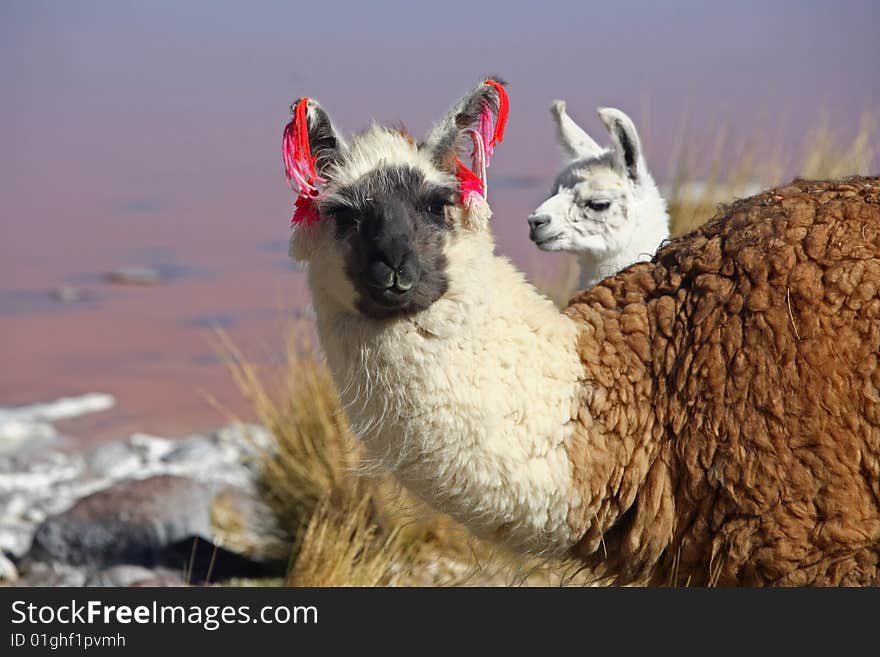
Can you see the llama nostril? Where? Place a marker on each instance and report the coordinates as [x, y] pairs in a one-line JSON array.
[[402, 283], [407, 275], [538, 220], [380, 275]]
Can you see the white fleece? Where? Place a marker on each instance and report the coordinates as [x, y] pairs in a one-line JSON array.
[[469, 402]]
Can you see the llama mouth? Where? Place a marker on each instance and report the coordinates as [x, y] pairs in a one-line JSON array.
[[543, 242], [390, 298]]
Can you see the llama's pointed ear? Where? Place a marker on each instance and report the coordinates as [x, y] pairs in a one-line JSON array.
[[575, 142], [448, 137], [627, 149], [325, 143]]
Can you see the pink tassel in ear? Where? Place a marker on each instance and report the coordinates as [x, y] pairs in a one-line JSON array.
[[299, 165], [486, 128], [487, 134]]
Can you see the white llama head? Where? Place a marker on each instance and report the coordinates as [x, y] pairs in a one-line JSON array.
[[605, 205], [389, 209]]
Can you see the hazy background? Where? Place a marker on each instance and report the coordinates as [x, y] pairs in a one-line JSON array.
[[148, 134]]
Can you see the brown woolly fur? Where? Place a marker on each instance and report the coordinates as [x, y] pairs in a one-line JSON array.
[[733, 409]]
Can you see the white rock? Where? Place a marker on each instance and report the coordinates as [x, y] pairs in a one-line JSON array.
[[20, 425], [152, 448], [60, 409], [8, 572]]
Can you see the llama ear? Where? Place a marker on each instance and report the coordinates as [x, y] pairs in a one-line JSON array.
[[627, 147], [575, 142], [325, 144], [448, 138]]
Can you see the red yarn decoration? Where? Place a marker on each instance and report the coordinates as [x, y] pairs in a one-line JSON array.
[[299, 165]]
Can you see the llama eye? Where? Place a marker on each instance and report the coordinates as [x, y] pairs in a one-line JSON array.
[[436, 208], [598, 206], [345, 217]]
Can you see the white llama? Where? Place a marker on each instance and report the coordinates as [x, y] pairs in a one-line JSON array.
[[605, 207], [712, 413]]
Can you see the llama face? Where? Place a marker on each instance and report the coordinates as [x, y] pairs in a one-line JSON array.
[[588, 212], [390, 228], [388, 212]]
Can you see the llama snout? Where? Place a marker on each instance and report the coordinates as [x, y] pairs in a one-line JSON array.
[[393, 273], [541, 230]]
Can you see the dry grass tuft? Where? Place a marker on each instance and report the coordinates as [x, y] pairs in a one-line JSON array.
[[731, 170], [313, 451], [344, 547]]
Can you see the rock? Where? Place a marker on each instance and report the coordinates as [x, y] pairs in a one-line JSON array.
[[18, 469], [67, 294], [164, 578], [61, 409], [125, 510], [15, 432], [151, 448], [207, 459], [245, 524], [247, 438], [196, 451], [115, 460], [33, 485], [8, 571], [164, 521], [130, 522], [51, 574], [28, 425], [129, 575], [16, 537], [135, 276]]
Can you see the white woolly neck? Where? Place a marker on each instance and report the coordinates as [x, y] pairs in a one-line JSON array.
[[469, 402]]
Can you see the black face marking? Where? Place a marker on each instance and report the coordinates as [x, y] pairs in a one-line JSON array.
[[393, 225], [629, 149]]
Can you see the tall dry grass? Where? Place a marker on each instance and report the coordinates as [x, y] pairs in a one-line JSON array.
[[733, 168]]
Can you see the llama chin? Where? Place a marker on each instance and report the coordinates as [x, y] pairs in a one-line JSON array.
[[605, 207]]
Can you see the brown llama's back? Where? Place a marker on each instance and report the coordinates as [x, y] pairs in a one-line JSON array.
[[734, 393]]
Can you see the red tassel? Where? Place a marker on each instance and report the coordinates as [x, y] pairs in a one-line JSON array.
[[299, 164], [304, 211], [503, 111], [468, 182]]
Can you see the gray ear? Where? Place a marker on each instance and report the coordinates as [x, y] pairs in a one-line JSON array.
[[447, 137], [575, 142], [627, 148], [325, 143]]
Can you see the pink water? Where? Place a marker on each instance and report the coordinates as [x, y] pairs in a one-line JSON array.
[[148, 134]]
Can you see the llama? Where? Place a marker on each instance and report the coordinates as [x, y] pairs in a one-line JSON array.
[[713, 413], [605, 207]]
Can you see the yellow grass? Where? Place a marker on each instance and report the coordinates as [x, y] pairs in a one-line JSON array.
[[732, 165]]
